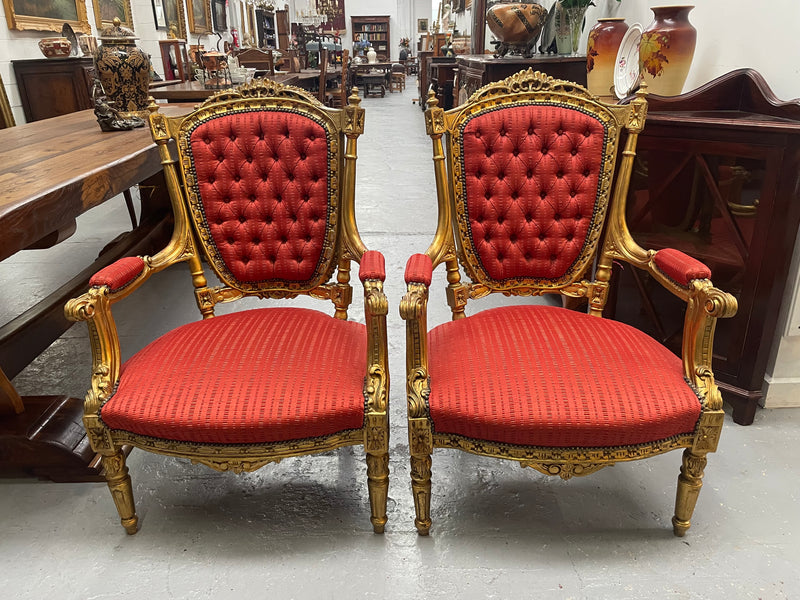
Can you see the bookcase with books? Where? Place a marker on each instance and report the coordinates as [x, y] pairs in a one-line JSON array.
[[375, 30]]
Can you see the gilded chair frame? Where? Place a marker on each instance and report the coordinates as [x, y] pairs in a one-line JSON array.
[[605, 244], [190, 242]]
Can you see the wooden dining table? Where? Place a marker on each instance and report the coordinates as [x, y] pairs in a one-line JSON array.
[[52, 171], [194, 91]]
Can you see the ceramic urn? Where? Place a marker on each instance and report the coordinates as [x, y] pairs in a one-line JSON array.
[[123, 70], [516, 23]]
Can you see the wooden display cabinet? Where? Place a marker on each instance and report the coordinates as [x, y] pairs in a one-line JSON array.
[[53, 87], [375, 30], [717, 176]]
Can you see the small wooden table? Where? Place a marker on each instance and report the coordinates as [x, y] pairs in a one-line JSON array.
[[51, 171]]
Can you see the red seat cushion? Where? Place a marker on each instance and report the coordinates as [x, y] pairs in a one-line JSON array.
[[546, 376], [264, 375]]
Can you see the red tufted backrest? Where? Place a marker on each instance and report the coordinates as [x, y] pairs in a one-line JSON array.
[[531, 179], [261, 182]]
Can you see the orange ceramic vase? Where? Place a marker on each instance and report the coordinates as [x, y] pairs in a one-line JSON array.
[[667, 49], [601, 55]]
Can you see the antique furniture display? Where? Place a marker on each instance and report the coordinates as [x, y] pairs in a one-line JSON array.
[[477, 70], [717, 177], [373, 29], [423, 72], [531, 202], [261, 60], [62, 167], [49, 88], [262, 190], [175, 60]]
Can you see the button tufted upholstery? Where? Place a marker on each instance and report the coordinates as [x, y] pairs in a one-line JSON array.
[[262, 179], [531, 176], [598, 394]]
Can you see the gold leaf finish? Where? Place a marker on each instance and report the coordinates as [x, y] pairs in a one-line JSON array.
[[342, 245], [589, 277]]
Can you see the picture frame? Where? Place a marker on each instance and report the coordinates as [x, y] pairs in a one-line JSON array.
[[219, 15], [422, 25], [199, 14], [106, 10], [167, 13], [33, 15]]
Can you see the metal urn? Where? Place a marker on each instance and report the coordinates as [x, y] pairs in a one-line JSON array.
[[123, 70]]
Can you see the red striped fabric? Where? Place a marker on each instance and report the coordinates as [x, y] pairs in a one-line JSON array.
[[419, 269], [263, 375], [119, 273], [546, 376], [373, 266], [680, 267]]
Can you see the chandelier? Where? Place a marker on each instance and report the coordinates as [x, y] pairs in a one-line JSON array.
[[329, 8], [267, 5], [309, 16]]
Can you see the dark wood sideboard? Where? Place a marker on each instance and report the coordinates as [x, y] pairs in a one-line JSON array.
[[476, 70], [50, 87], [718, 176]]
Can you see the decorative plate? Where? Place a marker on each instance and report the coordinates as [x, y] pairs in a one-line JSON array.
[[66, 32], [626, 72]]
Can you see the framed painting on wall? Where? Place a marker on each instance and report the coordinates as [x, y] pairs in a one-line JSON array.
[[199, 13], [220, 15], [105, 11], [422, 25], [168, 14], [47, 16]]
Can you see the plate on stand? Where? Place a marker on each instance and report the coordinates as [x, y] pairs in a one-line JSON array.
[[626, 70], [549, 31], [67, 32]]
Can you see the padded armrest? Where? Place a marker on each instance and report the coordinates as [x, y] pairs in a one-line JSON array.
[[419, 269], [118, 274], [372, 266], [680, 267]]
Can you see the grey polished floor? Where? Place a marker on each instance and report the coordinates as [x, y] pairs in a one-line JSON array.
[[301, 529]]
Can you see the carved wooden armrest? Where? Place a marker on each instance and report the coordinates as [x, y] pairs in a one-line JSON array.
[[414, 311], [372, 272], [689, 279], [679, 267], [120, 274]]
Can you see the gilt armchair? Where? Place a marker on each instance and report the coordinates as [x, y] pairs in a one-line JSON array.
[[531, 200], [262, 190]]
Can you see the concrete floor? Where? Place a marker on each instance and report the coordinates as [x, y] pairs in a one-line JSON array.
[[301, 529]]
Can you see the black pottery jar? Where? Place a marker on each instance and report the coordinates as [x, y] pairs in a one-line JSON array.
[[123, 70]]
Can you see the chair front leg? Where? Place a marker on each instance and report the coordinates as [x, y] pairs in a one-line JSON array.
[[420, 443], [119, 483], [689, 483], [378, 484]]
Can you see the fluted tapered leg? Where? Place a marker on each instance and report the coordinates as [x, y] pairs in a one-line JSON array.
[[378, 484], [421, 488], [689, 483], [119, 482]]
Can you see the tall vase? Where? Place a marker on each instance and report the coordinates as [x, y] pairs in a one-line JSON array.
[[568, 28], [667, 49], [123, 70], [601, 55]]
